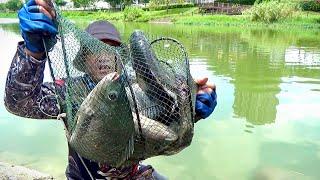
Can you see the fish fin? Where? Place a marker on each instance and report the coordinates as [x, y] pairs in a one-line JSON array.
[[126, 153], [130, 148]]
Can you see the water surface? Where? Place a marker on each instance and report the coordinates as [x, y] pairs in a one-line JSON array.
[[266, 123]]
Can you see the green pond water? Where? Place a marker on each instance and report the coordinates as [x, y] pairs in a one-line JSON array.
[[267, 122]]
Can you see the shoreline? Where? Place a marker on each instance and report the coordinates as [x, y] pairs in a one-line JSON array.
[[10, 20], [304, 20], [9, 171]]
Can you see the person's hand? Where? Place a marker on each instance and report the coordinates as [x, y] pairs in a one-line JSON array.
[[206, 99], [36, 23]]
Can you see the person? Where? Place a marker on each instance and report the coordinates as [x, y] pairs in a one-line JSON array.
[[25, 88]]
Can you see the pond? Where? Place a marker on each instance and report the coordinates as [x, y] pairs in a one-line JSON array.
[[266, 123]]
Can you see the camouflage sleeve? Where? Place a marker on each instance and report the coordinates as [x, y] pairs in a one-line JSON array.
[[25, 93]]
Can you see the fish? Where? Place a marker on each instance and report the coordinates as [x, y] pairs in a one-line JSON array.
[[154, 130], [148, 111], [104, 130], [164, 96], [148, 72]]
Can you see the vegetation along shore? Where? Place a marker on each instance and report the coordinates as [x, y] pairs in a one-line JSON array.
[[271, 13]]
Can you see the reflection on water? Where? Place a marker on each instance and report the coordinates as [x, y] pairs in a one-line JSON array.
[[302, 56], [266, 122]]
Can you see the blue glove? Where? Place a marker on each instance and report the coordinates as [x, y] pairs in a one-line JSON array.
[[36, 26], [205, 104]]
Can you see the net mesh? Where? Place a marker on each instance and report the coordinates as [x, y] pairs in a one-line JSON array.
[[123, 104]]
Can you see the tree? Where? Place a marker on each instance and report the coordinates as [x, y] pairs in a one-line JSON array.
[[60, 2], [13, 5], [122, 3], [2, 6], [82, 3], [113, 3]]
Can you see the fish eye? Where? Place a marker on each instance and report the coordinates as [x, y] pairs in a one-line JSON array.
[[112, 96]]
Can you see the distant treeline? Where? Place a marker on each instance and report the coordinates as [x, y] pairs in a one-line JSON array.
[[306, 5]]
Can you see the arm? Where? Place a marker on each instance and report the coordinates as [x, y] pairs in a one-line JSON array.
[[206, 99], [25, 88], [25, 93]]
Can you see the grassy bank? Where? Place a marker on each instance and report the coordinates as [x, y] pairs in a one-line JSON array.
[[145, 16], [8, 15], [190, 16], [301, 20]]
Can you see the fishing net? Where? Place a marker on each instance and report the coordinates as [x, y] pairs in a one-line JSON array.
[[123, 104]]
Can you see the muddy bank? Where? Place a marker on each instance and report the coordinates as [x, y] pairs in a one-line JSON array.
[[13, 172]]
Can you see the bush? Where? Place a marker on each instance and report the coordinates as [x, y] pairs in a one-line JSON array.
[[60, 2], [13, 5], [2, 7], [132, 13], [155, 7], [243, 2], [271, 11], [310, 5]]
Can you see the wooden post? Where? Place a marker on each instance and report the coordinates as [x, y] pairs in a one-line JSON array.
[[228, 8]]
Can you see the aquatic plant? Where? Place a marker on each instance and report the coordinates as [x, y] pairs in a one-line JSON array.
[[271, 11], [132, 13]]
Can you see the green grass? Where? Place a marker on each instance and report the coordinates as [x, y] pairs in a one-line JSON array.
[[8, 15], [93, 15], [109, 15], [307, 19], [163, 14], [301, 19]]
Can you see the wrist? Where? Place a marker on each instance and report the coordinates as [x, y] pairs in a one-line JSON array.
[[36, 55]]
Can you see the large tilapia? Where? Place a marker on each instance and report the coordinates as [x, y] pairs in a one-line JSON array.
[[105, 128]]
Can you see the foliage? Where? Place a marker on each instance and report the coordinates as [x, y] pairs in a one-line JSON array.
[[82, 3], [271, 11], [60, 2], [144, 1], [2, 7], [113, 3], [157, 7], [122, 3], [13, 5], [243, 2], [132, 13], [313, 5]]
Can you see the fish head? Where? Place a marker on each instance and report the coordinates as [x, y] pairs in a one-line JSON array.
[[113, 101], [114, 88]]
